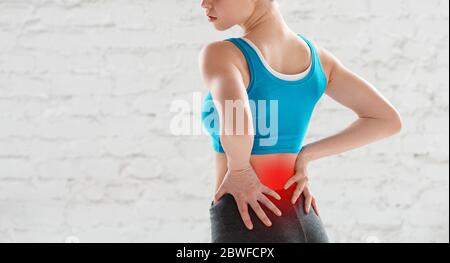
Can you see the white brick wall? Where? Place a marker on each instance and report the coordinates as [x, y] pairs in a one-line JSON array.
[[85, 148]]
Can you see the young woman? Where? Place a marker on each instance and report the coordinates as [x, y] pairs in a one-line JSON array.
[[262, 192]]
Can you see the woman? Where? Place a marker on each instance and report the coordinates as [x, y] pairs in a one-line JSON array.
[[262, 192]]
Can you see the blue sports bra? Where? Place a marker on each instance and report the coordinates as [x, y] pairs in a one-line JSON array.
[[281, 104]]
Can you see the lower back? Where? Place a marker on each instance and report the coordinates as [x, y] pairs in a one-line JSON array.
[[272, 169]]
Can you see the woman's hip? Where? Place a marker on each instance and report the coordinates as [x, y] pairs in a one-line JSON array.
[[294, 226]]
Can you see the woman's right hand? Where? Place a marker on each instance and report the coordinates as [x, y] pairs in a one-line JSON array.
[[246, 188]]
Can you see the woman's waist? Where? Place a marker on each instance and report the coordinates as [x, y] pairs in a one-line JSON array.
[[274, 169]]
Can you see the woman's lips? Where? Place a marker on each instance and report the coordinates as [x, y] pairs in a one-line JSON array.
[[212, 18]]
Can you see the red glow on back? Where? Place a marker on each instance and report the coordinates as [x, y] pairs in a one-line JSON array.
[[274, 174]]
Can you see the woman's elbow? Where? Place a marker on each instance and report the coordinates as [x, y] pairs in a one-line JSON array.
[[395, 122]]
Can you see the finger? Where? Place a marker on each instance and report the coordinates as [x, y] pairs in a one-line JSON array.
[[308, 199], [271, 192], [291, 180], [298, 191], [243, 211], [266, 201], [260, 213], [314, 205], [219, 194]]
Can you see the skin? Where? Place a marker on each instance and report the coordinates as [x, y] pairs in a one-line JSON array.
[[225, 72]]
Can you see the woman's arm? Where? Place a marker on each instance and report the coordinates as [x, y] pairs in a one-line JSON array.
[[377, 118], [223, 78]]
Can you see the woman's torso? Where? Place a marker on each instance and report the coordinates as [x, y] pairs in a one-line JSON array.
[[272, 169]]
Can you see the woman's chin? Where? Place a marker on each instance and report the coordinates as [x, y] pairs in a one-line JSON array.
[[219, 27]]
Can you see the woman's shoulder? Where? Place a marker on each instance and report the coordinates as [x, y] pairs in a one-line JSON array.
[[326, 57], [219, 55], [219, 51]]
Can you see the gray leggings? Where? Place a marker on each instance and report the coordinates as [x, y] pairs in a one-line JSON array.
[[294, 226]]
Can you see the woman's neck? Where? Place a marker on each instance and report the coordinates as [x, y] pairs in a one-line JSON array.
[[265, 18]]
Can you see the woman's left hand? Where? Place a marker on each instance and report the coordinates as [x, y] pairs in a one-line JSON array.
[[301, 178]]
